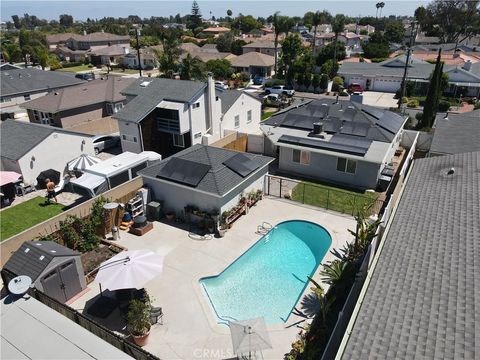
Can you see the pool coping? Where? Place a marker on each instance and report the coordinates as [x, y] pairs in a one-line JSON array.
[[292, 320]]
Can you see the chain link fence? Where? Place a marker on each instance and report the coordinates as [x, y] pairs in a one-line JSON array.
[[344, 202]]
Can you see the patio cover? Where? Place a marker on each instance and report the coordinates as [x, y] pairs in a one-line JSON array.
[[249, 335], [82, 162], [7, 177]]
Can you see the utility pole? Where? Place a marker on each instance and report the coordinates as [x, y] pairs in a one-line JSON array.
[[138, 52], [405, 71]]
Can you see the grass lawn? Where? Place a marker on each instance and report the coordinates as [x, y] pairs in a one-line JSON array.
[[76, 68], [127, 71], [267, 114], [22, 216], [332, 198]]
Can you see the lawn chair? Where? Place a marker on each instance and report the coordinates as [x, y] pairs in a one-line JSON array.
[[156, 315]]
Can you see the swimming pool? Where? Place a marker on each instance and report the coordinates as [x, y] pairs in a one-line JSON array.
[[268, 279]]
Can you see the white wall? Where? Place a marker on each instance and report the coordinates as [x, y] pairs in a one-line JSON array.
[[54, 153], [13, 104], [198, 119], [131, 132], [241, 107]]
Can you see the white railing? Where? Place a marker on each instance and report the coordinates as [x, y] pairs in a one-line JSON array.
[[409, 157]]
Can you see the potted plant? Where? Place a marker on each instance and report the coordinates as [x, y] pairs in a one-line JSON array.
[[138, 320], [259, 194]]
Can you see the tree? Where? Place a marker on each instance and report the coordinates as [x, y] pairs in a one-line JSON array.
[[327, 53], [246, 23], [237, 46], [168, 58], [330, 68], [338, 25], [66, 20], [12, 52], [316, 20], [453, 21], [42, 56], [16, 22], [279, 24], [381, 5], [291, 48], [377, 46], [433, 95], [192, 69], [394, 32], [195, 18], [229, 13], [219, 68], [324, 82]]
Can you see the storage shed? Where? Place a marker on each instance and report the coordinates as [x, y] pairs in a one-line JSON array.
[[54, 269]]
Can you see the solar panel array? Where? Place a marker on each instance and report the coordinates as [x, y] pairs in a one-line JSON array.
[[241, 164], [355, 129], [298, 121], [184, 171], [359, 149]]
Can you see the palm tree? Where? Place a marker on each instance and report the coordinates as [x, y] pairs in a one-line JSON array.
[[377, 5], [280, 25], [315, 22], [381, 5], [338, 26], [192, 69], [168, 58]]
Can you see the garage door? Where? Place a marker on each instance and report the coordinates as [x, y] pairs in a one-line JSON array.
[[386, 85]]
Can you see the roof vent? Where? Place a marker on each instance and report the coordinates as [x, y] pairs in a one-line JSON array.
[[41, 258], [451, 171], [55, 93], [26, 250], [53, 251], [145, 83], [38, 244], [317, 128]]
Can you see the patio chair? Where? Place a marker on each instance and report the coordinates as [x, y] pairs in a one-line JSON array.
[[156, 315]]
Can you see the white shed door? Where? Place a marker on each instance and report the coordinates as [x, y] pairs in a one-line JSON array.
[[386, 85]]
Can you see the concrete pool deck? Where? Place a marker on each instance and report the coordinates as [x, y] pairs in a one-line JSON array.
[[190, 330]]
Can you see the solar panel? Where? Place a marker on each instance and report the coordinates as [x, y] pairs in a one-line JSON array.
[[325, 145], [298, 121], [390, 122], [355, 129], [241, 164], [184, 171], [348, 114]]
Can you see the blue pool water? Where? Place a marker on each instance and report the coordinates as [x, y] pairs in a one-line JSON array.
[[268, 279]]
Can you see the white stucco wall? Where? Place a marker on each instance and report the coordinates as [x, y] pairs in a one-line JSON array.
[[197, 118], [54, 153], [128, 133], [243, 104]]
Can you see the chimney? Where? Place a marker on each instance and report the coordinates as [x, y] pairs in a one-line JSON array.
[[468, 65], [317, 128], [84, 32], [210, 101]]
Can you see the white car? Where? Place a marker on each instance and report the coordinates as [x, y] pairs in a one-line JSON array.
[[279, 89], [221, 85], [104, 142]]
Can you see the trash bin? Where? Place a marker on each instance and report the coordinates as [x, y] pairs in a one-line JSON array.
[[154, 211]]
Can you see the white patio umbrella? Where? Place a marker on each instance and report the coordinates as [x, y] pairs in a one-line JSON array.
[[82, 162], [249, 336], [129, 270]]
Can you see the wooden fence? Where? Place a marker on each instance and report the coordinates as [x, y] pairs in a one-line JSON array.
[[121, 193], [234, 141]]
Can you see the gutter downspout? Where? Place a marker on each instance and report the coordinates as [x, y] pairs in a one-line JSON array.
[[141, 136]]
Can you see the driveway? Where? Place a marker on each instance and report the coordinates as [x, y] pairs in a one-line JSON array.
[[379, 99]]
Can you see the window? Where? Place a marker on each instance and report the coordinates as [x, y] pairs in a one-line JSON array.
[[26, 97], [249, 116], [6, 99], [197, 135], [129, 138], [109, 109], [196, 105], [118, 107], [301, 157], [43, 118], [178, 140], [346, 165], [237, 121]]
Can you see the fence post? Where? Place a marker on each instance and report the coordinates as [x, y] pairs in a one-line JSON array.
[[268, 184], [280, 194]]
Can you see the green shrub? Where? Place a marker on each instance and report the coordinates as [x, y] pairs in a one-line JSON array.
[[316, 80], [300, 79], [244, 76], [72, 64], [308, 80], [337, 83], [419, 116], [324, 82], [477, 105], [274, 82], [377, 60], [443, 106], [413, 103], [343, 93], [404, 100]]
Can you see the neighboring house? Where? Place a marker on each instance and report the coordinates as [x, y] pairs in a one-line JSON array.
[[207, 177], [8, 66], [29, 148], [264, 47], [324, 28], [79, 104], [204, 53], [66, 54], [357, 29], [109, 55], [387, 76], [54, 40], [458, 133], [166, 116], [352, 41], [175, 26], [21, 85], [345, 143], [420, 299], [216, 30], [254, 63], [148, 58]]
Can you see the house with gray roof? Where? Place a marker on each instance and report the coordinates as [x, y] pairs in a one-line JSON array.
[[21, 85], [206, 177], [421, 297], [29, 148], [167, 116], [340, 142], [94, 100], [456, 133], [387, 76], [262, 46]]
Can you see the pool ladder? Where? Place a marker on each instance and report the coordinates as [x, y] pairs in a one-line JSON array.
[[264, 228]]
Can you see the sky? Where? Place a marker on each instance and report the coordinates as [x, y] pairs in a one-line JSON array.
[[81, 10]]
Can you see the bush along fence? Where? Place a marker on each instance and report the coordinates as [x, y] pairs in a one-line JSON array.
[[317, 195], [95, 328]]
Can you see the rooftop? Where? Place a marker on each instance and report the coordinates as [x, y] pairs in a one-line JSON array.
[[207, 168], [422, 299], [265, 44], [253, 59], [99, 36], [216, 29], [106, 89], [458, 134], [25, 81]]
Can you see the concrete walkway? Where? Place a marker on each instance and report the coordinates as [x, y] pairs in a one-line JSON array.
[[190, 330]]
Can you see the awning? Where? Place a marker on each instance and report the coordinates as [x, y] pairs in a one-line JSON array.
[[89, 181], [170, 105]]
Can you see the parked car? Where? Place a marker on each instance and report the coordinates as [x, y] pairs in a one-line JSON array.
[[258, 80], [355, 88], [86, 76], [104, 142], [279, 89], [221, 85]]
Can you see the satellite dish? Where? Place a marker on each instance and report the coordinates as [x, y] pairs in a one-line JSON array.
[[19, 285]]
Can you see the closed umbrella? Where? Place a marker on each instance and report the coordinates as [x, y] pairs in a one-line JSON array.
[[82, 162], [249, 336], [7, 177], [129, 270]]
